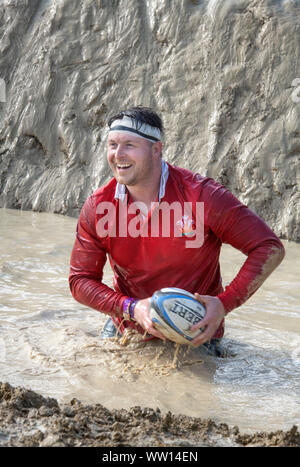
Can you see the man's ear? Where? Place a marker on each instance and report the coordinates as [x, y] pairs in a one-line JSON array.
[[157, 149]]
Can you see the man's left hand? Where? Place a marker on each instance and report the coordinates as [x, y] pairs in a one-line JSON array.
[[215, 313]]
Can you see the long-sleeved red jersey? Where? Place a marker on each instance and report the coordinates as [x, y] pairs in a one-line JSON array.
[[146, 263]]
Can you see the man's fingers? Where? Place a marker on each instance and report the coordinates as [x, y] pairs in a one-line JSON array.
[[209, 324], [148, 326], [156, 333], [207, 334], [203, 337], [200, 324], [202, 298]]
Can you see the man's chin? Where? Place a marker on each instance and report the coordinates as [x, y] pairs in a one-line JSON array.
[[124, 180]]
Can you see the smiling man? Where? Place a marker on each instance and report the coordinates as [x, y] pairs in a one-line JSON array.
[[135, 159], [116, 222]]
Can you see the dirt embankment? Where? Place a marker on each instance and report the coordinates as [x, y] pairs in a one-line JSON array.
[[29, 419]]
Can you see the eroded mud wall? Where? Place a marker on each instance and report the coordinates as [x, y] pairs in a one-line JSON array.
[[221, 73]]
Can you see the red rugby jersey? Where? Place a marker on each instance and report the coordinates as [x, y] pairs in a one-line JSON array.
[[145, 264]]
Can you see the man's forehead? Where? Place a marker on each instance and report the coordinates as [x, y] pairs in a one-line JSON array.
[[123, 137]]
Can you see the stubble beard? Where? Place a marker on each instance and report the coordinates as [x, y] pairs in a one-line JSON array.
[[137, 178], [125, 180]]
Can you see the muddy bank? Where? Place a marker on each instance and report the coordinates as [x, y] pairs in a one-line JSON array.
[[29, 419]]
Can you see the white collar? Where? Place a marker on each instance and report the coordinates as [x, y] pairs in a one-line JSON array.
[[120, 192]]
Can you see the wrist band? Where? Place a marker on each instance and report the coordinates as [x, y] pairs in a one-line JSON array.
[[128, 308]]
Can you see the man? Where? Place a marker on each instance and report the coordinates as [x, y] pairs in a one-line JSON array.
[[116, 222]]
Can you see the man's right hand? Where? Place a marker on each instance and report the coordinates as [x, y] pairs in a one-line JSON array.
[[142, 317]]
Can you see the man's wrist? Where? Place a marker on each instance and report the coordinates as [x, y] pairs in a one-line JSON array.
[[225, 302], [222, 308], [128, 308]]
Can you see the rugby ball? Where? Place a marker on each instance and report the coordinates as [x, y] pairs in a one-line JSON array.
[[173, 311]]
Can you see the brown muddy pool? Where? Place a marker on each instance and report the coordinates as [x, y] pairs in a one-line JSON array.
[[50, 344]]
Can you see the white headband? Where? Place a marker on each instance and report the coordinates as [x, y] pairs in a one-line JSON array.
[[129, 125]]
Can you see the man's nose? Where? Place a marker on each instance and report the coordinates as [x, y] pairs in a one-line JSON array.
[[119, 152]]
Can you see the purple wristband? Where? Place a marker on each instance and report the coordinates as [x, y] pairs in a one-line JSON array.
[[131, 308], [126, 302], [128, 308]]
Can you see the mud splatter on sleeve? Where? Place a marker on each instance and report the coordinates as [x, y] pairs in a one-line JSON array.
[[235, 224]]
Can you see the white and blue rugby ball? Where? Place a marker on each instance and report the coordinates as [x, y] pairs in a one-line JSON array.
[[173, 311]]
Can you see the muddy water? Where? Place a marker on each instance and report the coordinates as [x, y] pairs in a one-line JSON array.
[[51, 344]]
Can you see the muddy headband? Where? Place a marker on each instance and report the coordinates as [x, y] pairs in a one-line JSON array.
[[129, 125]]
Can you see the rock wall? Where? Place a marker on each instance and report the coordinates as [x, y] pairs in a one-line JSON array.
[[222, 73]]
